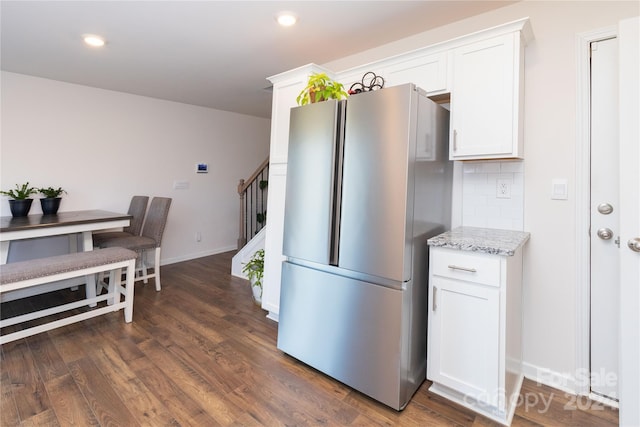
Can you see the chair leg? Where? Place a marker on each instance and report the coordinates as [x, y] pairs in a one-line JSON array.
[[143, 265], [156, 268]]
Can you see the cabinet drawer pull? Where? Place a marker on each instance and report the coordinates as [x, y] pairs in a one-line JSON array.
[[434, 305], [456, 267], [455, 140]]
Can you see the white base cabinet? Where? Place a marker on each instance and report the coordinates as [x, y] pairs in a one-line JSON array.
[[475, 323]]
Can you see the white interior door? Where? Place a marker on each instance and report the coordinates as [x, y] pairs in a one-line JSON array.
[[605, 218], [629, 388]]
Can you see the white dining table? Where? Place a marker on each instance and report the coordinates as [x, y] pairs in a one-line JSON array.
[[63, 223]]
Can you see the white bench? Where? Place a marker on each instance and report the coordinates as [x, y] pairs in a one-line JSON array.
[[24, 274]]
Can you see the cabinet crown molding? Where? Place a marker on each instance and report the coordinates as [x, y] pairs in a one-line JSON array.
[[296, 73], [522, 25]]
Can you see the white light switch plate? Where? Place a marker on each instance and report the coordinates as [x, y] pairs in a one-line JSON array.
[[559, 189], [180, 185]]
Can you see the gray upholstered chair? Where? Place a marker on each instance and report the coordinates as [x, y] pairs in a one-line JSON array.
[[137, 209], [149, 240]]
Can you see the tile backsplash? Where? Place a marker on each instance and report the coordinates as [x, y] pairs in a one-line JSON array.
[[481, 206]]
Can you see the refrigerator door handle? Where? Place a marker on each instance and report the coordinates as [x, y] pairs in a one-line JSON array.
[[334, 254]]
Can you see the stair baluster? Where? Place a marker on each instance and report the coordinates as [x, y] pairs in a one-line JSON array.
[[253, 203]]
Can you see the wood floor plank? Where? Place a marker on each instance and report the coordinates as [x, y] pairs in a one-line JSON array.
[[201, 353], [47, 418], [103, 400], [8, 409], [68, 403], [207, 325], [185, 410], [50, 364], [141, 402], [190, 346], [74, 341], [24, 380], [183, 372]]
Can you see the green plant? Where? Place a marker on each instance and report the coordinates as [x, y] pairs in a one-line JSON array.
[[51, 192], [21, 192], [321, 87], [254, 269]]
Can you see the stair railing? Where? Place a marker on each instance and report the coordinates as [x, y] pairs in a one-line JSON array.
[[253, 203]]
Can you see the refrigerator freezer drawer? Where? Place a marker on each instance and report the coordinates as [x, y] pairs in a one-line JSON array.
[[348, 329]]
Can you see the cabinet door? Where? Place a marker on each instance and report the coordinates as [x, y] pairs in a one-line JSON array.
[[428, 72], [484, 99], [464, 338]]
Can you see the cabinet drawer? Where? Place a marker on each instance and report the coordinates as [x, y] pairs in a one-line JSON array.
[[468, 266]]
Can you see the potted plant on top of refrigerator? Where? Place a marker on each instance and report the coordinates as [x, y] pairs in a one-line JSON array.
[[51, 201], [321, 87], [20, 202]]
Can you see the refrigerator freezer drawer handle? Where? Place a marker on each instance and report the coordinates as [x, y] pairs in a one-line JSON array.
[[456, 267], [434, 305]]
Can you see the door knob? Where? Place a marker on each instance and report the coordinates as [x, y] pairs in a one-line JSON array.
[[634, 244], [605, 233], [605, 208]]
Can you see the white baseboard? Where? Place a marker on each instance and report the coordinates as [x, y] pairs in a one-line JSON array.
[[173, 260], [272, 316], [561, 381]]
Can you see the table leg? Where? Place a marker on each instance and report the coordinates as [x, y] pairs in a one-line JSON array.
[[4, 252], [87, 245], [73, 247]]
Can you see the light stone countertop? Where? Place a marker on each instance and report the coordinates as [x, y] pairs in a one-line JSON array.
[[487, 240]]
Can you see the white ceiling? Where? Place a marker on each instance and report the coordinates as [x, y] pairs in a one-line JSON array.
[[214, 54]]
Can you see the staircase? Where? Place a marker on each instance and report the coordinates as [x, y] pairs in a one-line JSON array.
[[252, 216], [253, 203]]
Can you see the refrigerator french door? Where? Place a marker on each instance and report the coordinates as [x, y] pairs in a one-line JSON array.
[[357, 216]]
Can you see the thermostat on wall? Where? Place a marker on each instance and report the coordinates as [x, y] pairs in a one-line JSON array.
[[202, 168]]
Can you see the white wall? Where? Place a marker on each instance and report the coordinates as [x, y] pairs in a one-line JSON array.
[[550, 152], [104, 146]]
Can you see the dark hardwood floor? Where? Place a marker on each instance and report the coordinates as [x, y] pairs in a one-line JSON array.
[[201, 353]]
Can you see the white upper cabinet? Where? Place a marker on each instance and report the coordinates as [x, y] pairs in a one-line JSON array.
[[428, 72], [486, 99], [286, 88]]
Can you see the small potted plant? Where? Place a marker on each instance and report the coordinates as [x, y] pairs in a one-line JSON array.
[[51, 201], [20, 202], [321, 87], [254, 269]]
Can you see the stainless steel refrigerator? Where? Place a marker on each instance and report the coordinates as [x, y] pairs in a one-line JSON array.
[[368, 182]]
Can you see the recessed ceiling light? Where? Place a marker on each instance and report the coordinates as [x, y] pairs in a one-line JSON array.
[[93, 40], [286, 19]]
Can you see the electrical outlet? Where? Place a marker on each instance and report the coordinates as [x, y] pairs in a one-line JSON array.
[[503, 189], [198, 236]]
